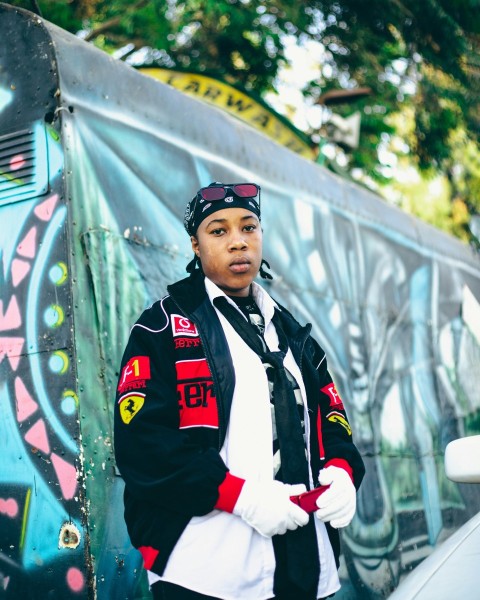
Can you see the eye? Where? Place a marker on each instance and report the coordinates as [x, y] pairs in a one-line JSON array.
[[250, 227], [218, 231]]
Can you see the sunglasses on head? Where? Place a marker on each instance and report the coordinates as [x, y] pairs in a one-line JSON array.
[[220, 191]]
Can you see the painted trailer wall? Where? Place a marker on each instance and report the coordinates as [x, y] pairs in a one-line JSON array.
[[43, 549], [97, 163]]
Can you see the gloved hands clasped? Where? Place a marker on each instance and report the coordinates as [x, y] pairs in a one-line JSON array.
[[337, 504], [268, 509]]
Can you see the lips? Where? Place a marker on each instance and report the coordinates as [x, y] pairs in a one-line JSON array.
[[240, 265]]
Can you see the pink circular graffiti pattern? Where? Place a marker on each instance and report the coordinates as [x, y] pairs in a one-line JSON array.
[[75, 579], [9, 507]]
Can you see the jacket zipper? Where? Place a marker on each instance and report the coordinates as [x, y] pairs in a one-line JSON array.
[[221, 415]]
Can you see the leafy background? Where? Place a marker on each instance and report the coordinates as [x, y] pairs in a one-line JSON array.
[[420, 124]]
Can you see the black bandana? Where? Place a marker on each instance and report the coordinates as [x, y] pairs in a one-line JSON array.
[[198, 209]]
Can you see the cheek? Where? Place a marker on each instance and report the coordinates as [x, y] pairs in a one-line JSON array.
[[257, 252], [210, 260]]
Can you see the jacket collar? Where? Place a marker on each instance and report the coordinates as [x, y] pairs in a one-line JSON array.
[[189, 293]]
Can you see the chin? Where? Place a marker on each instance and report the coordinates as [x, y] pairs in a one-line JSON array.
[[237, 287]]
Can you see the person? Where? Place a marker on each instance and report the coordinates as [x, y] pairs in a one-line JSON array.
[[225, 415]]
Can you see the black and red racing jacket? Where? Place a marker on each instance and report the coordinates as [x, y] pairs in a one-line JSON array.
[[172, 408]]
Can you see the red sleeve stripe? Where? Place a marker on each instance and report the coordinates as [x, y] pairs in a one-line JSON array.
[[149, 555], [342, 463], [228, 492]]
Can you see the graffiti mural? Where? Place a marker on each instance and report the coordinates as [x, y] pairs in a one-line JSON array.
[[91, 234], [42, 542], [40, 505]]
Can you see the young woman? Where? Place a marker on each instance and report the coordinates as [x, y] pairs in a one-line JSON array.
[[225, 415]]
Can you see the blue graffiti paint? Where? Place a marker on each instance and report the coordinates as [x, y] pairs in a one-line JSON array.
[[32, 337], [6, 96], [46, 512]]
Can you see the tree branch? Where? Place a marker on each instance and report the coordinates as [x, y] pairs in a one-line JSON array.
[[114, 21]]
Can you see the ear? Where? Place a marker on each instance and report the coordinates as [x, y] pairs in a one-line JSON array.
[[195, 247]]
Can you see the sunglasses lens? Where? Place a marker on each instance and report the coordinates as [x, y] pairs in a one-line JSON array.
[[242, 190], [213, 193], [245, 190]]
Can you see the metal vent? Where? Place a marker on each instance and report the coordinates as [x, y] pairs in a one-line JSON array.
[[23, 165]]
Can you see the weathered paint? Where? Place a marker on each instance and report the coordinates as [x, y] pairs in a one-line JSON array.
[[41, 488], [91, 232]]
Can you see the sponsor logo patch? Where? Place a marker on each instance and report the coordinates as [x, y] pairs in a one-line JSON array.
[[187, 342], [135, 373], [335, 417], [335, 400], [130, 404], [196, 395], [183, 326]]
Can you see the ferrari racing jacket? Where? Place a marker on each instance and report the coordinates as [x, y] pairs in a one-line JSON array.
[[172, 409]]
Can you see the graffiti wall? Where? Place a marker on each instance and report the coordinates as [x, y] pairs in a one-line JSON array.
[[395, 303], [42, 540]]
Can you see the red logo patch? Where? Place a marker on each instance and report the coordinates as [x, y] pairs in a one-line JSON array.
[[136, 370], [183, 326], [335, 400], [196, 395]]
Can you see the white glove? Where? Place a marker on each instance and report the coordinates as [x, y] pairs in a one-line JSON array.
[[338, 503], [268, 509]]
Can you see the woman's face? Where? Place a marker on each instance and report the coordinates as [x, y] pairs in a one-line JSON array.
[[229, 245]]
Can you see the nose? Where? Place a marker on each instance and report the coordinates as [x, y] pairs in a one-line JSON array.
[[237, 242]]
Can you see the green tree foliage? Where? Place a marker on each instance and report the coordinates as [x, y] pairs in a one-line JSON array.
[[413, 55]]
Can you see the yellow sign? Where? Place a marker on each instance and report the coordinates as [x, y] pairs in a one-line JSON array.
[[130, 404], [237, 103]]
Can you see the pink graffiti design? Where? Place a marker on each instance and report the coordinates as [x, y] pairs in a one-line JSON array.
[[35, 342], [12, 348]]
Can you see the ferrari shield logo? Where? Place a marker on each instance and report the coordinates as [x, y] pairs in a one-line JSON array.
[[130, 404]]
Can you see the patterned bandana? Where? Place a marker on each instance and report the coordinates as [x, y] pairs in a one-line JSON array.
[[198, 208]]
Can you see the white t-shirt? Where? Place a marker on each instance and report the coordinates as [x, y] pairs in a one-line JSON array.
[[219, 554]]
